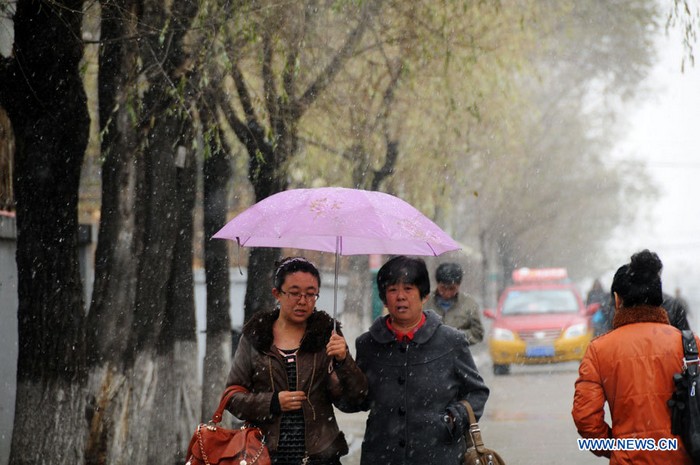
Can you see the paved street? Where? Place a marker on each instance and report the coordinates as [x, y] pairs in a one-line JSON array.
[[528, 416], [527, 419], [353, 425]]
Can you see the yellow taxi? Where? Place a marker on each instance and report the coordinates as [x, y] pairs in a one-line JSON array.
[[541, 318]]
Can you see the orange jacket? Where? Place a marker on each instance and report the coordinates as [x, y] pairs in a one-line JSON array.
[[631, 368]]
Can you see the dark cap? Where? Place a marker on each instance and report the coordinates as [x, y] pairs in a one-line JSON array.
[[449, 273]]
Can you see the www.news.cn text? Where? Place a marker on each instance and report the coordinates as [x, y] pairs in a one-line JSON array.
[[627, 444]]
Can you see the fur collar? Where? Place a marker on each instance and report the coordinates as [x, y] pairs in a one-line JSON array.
[[318, 331], [639, 314]]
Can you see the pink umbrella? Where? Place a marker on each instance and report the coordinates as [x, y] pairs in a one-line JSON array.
[[340, 220]]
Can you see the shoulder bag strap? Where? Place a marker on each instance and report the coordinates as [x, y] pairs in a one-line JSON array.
[[690, 352], [473, 434], [225, 399]]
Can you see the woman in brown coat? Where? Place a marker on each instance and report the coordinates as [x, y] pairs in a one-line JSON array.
[[631, 368], [296, 366]]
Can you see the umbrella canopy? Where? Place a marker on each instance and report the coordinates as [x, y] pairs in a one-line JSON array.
[[340, 220]]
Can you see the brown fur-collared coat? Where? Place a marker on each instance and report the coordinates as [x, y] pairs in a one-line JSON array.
[[258, 366]]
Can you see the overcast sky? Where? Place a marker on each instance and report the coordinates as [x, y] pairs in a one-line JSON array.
[[665, 134]]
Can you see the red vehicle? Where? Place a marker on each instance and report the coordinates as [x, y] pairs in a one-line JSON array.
[[541, 318]]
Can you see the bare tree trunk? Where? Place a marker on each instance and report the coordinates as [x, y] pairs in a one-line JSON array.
[[158, 194], [43, 94], [486, 297], [145, 358], [7, 150], [358, 301], [58, 432], [217, 358], [120, 245], [261, 268], [267, 180], [176, 406]]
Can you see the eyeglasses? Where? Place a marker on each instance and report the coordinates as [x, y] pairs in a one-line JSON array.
[[296, 295]]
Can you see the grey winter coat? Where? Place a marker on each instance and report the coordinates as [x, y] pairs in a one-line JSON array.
[[412, 386], [463, 314], [258, 366]]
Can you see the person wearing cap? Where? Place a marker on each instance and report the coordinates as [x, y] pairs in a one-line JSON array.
[[457, 309]]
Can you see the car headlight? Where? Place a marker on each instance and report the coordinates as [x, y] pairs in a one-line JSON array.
[[502, 334], [576, 330]]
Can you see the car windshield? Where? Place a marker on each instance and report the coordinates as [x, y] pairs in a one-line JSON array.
[[538, 301]]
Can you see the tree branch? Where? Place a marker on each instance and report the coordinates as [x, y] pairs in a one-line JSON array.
[[269, 85], [392, 154], [290, 66], [243, 94], [329, 72], [392, 143], [250, 135]]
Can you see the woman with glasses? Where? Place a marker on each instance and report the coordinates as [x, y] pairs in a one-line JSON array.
[[296, 366]]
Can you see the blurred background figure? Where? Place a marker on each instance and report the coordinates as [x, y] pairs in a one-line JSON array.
[[598, 296], [681, 300], [686, 307], [457, 309], [677, 309]]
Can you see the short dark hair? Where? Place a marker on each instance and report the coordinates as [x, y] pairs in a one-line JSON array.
[[449, 273], [403, 269], [291, 265], [639, 281]]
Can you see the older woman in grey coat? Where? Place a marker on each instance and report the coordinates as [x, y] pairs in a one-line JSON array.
[[418, 370]]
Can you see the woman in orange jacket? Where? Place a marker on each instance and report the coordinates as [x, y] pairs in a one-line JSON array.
[[631, 368]]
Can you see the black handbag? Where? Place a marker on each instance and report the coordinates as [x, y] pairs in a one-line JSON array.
[[685, 402], [477, 453]]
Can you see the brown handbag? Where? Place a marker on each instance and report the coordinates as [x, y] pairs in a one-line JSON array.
[[213, 445], [477, 453]]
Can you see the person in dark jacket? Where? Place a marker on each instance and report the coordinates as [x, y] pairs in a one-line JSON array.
[[419, 371], [676, 309], [296, 367], [596, 295]]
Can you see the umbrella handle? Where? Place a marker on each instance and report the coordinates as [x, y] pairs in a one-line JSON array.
[[335, 294], [338, 245]]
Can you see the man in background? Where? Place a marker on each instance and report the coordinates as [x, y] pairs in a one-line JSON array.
[[677, 309], [457, 309]]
